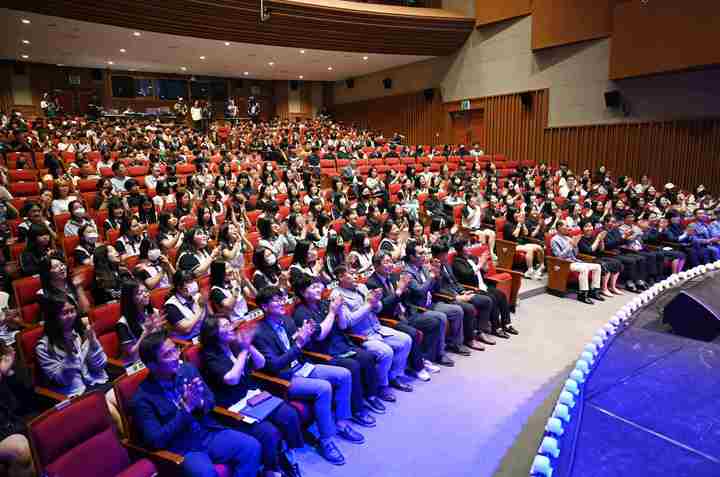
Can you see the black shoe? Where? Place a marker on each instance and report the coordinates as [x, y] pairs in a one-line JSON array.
[[350, 434], [583, 297], [485, 339], [595, 295], [289, 469], [630, 286], [501, 333], [386, 394], [455, 349], [642, 286], [510, 329], [331, 453], [364, 419], [475, 346], [445, 361], [406, 388], [376, 405]]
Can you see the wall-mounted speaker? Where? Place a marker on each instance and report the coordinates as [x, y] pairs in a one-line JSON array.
[[613, 99], [97, 74], [387, 82], [429, 94], [294, 85], [19, 68], [350, 83], [527, 99]]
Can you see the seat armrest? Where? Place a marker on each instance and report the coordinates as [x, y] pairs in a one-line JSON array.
[[586, 258], [390, 322], [49, 393], [443, 296], [558, 271], [270, 379], [359, 339], [162, 455], [318, 356]]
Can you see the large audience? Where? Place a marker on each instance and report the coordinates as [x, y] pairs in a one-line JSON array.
[[345, 263]]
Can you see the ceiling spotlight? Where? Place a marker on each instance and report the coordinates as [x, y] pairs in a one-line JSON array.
[[301, 77], [184, 68], [26, 42], [25, 21], [202, 57], [329, 68], [122, 50], [365, 58], [246, 73], [227, 43], [61, 64], [272, 63], [24, 57], [110, 63], [302, 52], [136, 33]]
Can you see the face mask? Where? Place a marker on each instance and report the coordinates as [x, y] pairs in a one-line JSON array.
[[192, 288], [154, 254], [79, 212], [271, 260], [91, 238], [366, 243], [221, 184]]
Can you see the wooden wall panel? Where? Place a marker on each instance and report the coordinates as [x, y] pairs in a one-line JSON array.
[[492, 11], [663, 35], [561, 22]]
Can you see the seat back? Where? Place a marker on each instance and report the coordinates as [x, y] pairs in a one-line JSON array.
[[125, 388], [27, 340], [78, 439], [103, 319], [25, 291], [158, 297], [193, 355]]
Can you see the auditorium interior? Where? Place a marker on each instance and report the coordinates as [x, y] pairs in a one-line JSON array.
[[385, 238]]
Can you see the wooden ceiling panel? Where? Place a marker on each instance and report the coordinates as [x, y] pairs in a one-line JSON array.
[[561, 22], [492, 11], [404, 31]]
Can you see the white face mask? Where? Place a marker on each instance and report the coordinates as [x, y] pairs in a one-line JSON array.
[[154, 254], [192, 288], [91, 238], [366, 243], [271, 260], [79, 212]]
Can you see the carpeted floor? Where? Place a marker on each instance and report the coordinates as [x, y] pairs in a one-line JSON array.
[[484, 416]]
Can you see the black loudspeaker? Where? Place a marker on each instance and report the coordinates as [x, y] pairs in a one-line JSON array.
[[387, 82], [19, 68], [527, 99], [613, 99], [293, 85], [690, 316], [350, 83], [97, 75], [429, 94]]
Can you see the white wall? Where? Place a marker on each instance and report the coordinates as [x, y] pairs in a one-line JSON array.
[[497, 59]]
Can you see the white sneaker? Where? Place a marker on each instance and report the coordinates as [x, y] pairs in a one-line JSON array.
[[538, 274], [529, 274], [422, 375], [431, 368]]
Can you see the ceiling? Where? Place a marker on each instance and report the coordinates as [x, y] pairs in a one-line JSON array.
[[56, 40]]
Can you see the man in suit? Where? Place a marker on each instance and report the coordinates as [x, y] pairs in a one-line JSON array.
[[476, 308], [281, 343], [172, 409], [395, 289]]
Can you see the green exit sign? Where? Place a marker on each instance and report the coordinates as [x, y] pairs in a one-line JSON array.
[[465, 105]]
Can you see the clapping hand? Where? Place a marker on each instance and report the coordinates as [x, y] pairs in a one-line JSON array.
[[193, 394], [245, 336], [375, 296], [336, 303], [403, 283], [6, 363]]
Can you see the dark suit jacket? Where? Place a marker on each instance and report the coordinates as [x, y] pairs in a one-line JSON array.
[[417, 290], [278, 361], [390, 299], [448, 283], [163, 425], [464, 272]]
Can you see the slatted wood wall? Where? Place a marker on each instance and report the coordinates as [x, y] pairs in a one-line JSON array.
[[686, 152]]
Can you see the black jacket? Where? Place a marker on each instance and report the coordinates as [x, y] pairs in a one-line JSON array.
[[278, 360], [390, 300]]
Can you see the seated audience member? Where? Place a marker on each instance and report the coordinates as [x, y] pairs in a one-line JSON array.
[[226, 292], [32, 213], [349, 228], [393, 240], [359, 315], [305, 262], [229, 356], [170, 236], [39, 248], [194, 255], [329, 339], [328, 387], [476, 307], [516, 230], [58, 285], [109, 274], [146, 212], [116, 216], [275, 237], [119, 178], [85, 250], [234, 245], [634, 244], [16, 398], [185, 308], [594, 245], [69, 354], [138, 319], [267, 270], [78, 219], [566, 247], [61, 197], [472, 219], [172, 410], [131, 236], [469, 271], [334, 255], [638, 268], [154, 269], [394, 291], [361, 255]]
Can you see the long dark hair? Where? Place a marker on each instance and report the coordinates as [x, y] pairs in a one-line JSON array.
[[164, 222], [264, 226], [130, 309], [358, 243], [218, 271], [188, 245], [333, 249], [210, 331], [300, 255], [53, 327], [258, 259], [105, 271]]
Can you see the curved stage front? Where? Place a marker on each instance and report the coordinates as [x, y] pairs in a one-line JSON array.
[[650, 404]]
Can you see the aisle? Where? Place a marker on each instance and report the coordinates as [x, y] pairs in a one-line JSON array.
[[465, 420]]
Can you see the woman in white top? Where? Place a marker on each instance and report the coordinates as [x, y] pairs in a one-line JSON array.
[[227, 291], [361, 255], [61, 197], [234, 246]]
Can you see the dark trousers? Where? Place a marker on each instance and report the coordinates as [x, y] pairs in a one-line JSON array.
[[476, 316], [500, 312], [431, 324], [238, 450], [655, 263], [633, 267], [415, 359], [364, 376], [282, 424]]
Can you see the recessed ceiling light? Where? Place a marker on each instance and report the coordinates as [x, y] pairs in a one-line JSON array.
[[26, 42], [202, 57], [24, 57], [110, 63], [122, 50], [246, 73], [25, 21], [61, 64], [227, 43], [136, 33], [365, 58], [184, 68], [132, 69], [329, 68], [301, 77], [302, 52], [272, 63]]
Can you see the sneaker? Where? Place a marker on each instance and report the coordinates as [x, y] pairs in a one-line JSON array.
[[529, 274], [331, 453], [422, 375], [431, 368], [538, 275]]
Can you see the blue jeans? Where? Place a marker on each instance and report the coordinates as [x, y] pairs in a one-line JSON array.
[[235, 449]]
